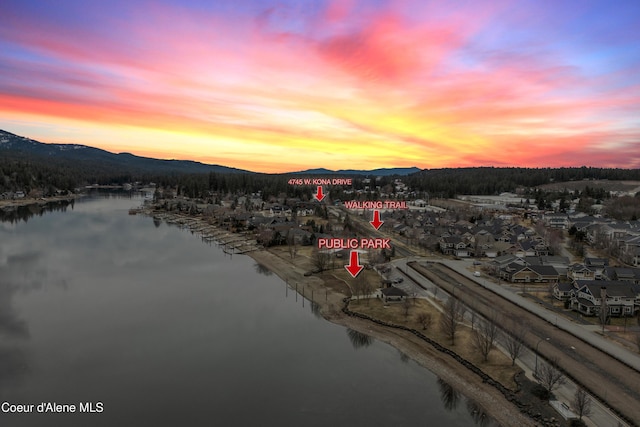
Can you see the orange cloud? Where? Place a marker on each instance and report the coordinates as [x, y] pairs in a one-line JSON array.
[[348, 86]]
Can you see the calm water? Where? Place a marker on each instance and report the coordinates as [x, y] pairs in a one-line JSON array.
[[164, 330]]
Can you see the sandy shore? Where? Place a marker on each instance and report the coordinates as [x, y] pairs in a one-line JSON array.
[[442, 365]]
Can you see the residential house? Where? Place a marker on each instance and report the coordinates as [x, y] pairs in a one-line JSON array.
[[454, 245], [483, 242], [611, 232], [563, 290], [517, 273], [524, 248], [580, 272], [597, 265], [560, 263], [631, 250], [305, 209], [621, 298], [500, 262], [557, 221], [282, 211], [623, 274]]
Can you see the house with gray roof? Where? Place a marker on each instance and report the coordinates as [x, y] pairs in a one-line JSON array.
[[580, 272], [624, 274], [393, 294], [621, 298], [563, 290], [518, 273]]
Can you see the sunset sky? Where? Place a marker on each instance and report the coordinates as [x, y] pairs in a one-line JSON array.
[[275, 86]]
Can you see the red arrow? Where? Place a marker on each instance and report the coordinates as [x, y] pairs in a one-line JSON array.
[[376, 220], [319, 195], [354, 268]]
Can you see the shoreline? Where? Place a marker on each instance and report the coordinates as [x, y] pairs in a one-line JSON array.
[[8, 205], [330, 300], [438, 363]]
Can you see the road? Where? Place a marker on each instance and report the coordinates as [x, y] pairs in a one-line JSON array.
[[603, 375], [609, 372], [421, 286], [580, 331], [600, 414]]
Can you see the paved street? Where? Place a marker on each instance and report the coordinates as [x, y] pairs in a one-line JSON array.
[[601, 415], [581, 331]]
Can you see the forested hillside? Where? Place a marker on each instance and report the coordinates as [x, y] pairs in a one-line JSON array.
[[26, 164]]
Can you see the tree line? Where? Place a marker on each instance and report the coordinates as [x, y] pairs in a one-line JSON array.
[[21, 172], [492, 180]]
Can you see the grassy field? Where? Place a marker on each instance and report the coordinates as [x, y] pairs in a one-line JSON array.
[[498, 366]]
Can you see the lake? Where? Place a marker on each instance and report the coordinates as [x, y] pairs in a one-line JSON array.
[[153, 327]]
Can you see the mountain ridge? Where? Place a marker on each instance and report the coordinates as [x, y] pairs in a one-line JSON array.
[[22, 146], [376, 172]]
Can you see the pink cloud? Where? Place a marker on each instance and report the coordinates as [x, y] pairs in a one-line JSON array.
[[382, 80]]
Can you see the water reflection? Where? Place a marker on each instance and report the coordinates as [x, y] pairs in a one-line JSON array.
[[39, 208], [11, 325], [23, 213], [13, 330], [262, 269], [478, 414], [315, 309], [404, 358], [148, 307], [450, 396], [15, 275], [13, 367], [358, 339]]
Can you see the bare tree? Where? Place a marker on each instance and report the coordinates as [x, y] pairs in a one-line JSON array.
[[474, 316], [292, 244], [514, 339], [425, 319], [555, 241], [362, 287], [451, 318], [550, 376], [320, 260], [266, 237], [484, 336], [603, 314], [406, 305], [356, 287], [581, 403], [367, 288]]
